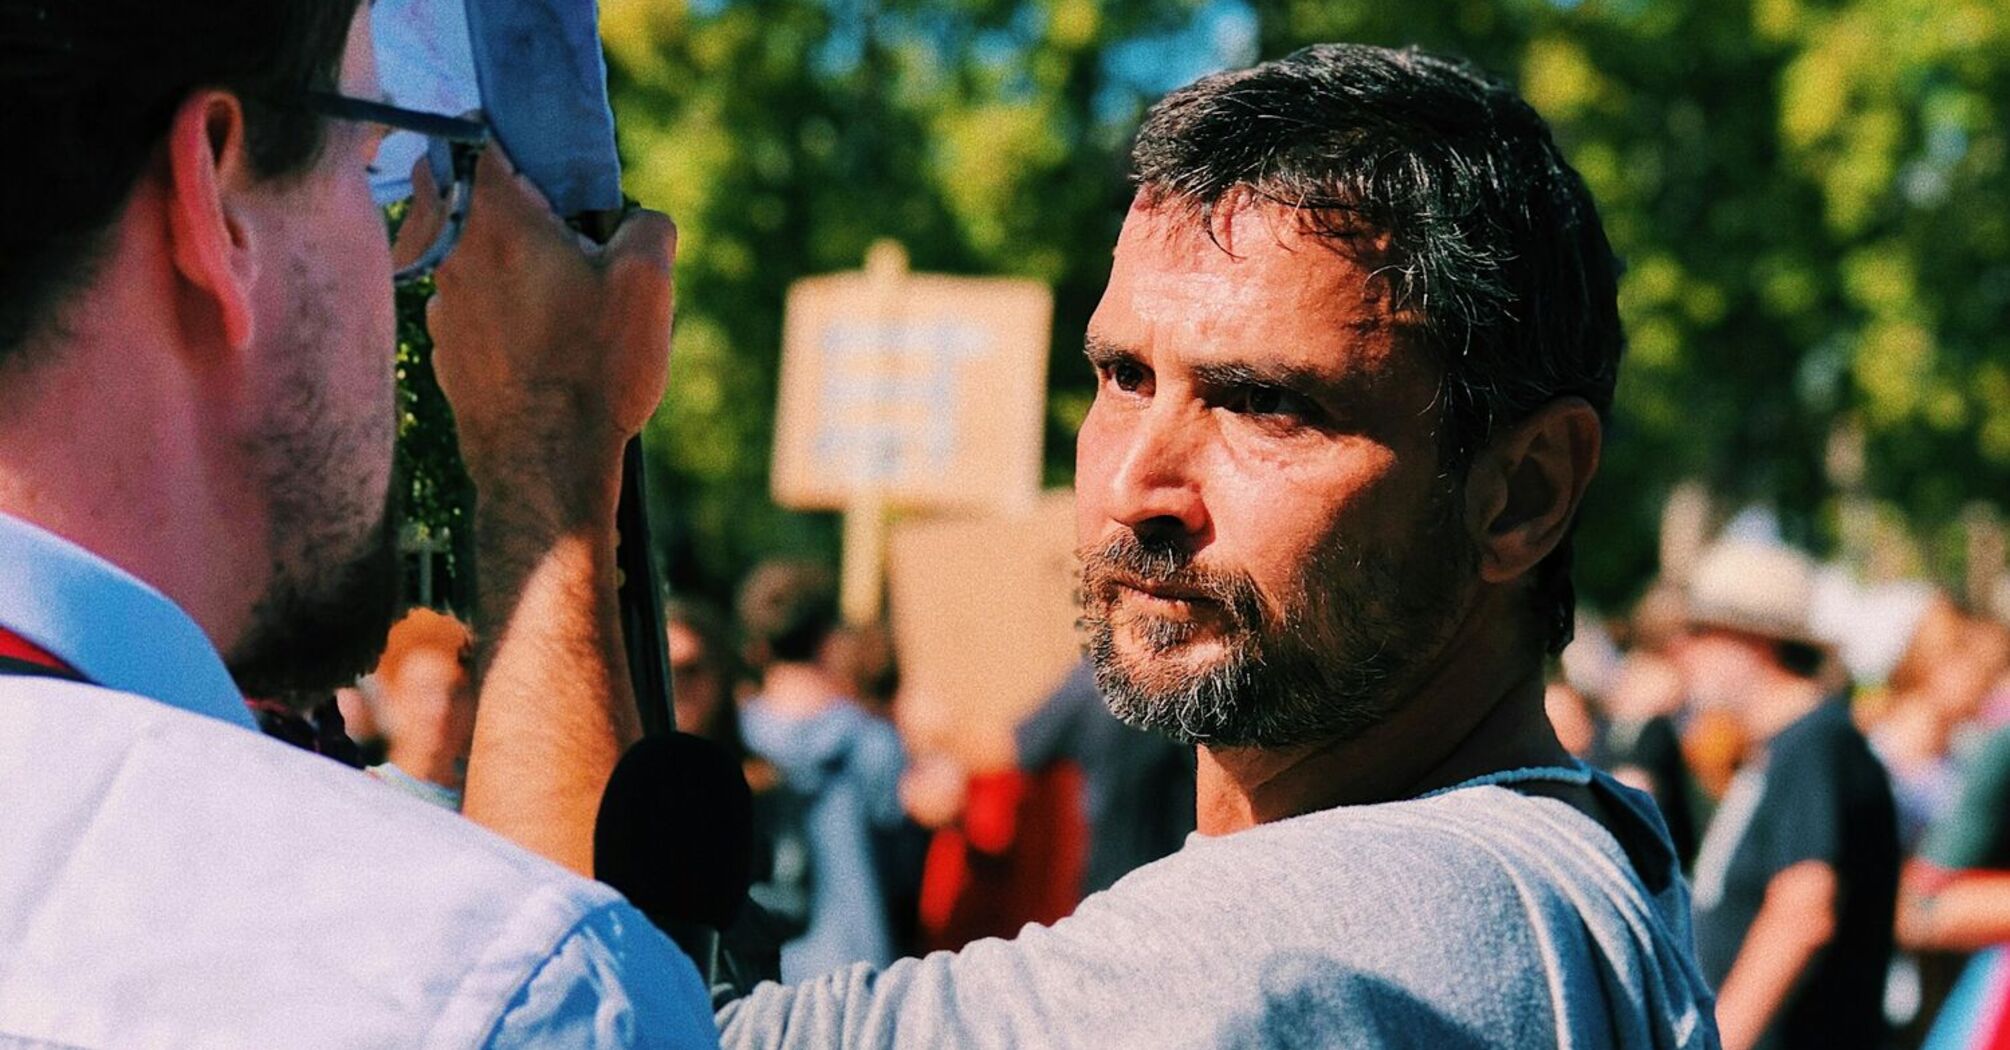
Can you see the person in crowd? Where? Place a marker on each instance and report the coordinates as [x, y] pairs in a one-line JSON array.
[[1954, 897], [308, 718], [196, 340], [1578, 727], [1933, 700], [357, 704], [1137, 787], [1008, 845], [425, 704], [1643, 747], [1797, 873], [1353, 362], [1007, 849], [862, 659], [843, 761], [703, 674]]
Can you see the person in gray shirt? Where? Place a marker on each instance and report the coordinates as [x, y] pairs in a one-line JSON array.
[[1355, 357]]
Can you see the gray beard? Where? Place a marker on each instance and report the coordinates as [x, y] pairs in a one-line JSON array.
[[1361, 630]]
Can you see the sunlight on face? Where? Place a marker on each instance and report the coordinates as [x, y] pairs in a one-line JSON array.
[[1269, 550]]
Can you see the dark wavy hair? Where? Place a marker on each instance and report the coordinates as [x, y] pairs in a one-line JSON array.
[[90, 86], [1484, 235]]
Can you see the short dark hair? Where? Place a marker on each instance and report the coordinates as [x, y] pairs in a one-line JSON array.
[[90, 87], [788, 609], [1482, 232]]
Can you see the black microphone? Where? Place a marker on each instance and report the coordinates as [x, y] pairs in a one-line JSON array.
[[675, 836]]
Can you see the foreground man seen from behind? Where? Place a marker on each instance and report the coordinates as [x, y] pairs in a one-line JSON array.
[[196, 443], [1358, 342]]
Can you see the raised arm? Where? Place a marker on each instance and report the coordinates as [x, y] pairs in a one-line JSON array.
[[553, 352]]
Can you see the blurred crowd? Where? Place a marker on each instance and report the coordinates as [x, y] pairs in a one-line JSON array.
[[1832, 761], [873, 840]]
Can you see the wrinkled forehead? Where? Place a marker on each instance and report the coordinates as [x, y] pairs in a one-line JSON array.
[[1255, 277]]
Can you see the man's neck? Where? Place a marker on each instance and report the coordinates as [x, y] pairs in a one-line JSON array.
[[99, 446], [1479, 713]]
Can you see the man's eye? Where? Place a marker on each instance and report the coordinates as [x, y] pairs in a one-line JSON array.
[[1272, 401], [1127, 375]]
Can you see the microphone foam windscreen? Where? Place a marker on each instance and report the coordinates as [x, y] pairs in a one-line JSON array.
[[675, 831]]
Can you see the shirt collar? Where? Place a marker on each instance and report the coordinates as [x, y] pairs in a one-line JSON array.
[[113, 628]]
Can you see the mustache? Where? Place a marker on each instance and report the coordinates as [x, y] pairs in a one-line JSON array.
[[1129, 558]]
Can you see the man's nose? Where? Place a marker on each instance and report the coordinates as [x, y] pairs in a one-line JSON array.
[[1156, 487]]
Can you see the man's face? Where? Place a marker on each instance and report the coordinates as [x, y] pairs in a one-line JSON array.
[[320, 445], [1719, 667], [1272, 554], [696, 692]]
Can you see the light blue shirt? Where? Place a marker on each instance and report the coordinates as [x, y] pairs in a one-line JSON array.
[[171, 877]]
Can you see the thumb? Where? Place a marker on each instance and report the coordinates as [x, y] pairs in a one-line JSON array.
[[645, 239], [423, 217]]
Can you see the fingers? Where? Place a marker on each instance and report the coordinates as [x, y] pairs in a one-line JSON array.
[[423, 219], [507, 193]]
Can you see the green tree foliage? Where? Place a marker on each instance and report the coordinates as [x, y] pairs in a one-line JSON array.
[[1813, 207], [434, 488], [787, 135]]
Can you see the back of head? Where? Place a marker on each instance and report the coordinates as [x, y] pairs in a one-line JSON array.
[[788, 610], [91, 86], [1448, 186]]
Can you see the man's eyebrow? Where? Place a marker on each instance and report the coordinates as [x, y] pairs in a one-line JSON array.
[[1102, 353], [1296, 378]]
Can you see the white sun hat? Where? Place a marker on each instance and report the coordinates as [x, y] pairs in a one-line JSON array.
[[1761, 588]]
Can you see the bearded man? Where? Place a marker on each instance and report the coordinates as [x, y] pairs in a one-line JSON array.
[[1359, 339]]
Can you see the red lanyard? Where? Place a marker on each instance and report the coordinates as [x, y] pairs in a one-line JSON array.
[[22, 658], [19, 656]]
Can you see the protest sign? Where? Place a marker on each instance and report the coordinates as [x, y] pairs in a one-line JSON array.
[[984, 619], [912, 392]]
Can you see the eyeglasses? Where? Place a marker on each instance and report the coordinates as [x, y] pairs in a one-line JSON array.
[[452, 145]]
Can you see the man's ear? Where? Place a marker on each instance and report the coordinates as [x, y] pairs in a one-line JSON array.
[[209, 223], [1523, 489]]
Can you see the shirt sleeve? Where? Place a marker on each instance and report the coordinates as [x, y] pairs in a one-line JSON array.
[[1973, 833], [614, 981], [1291, 937]]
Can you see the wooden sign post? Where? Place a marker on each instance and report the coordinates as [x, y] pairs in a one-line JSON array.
[[903, 391]]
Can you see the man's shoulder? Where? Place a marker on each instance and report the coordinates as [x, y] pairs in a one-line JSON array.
[[1826, 729], [1822, 747], [1481, 911], [198, 766], [171, 871], [1475, 852]]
